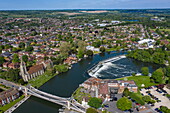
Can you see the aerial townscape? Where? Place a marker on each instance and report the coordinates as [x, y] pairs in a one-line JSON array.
[[84, 58]]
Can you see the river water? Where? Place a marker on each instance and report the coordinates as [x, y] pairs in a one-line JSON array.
[[64, 84]]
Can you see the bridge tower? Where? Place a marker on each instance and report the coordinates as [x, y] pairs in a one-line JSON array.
[[25, 92], [68, 105]]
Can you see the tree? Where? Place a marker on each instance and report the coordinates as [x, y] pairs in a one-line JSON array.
[[15, 58], [65, 48], [21, 81], [95, 102], [158, 57], [89, 52], [61, 68], [133, 74], [102, 49], [145, 71], [168, 71], [22, 45], [2, 60], [80, 54], [91, 110], [146, 98], [126, 92], [29, 49], [81, 48], [124, 104], [25, 58], [12, 75], [157, 75], [164, 109]]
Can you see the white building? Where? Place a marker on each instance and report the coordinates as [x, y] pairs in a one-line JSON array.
[[150, 43]]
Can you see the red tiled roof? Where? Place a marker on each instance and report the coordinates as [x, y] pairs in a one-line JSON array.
[[36, 68], [103, 88]]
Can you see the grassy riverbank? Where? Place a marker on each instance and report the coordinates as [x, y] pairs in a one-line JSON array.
[[139, 80], [7, 106], [40, 80]]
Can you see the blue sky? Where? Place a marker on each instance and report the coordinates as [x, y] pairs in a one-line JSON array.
[[82, 4]]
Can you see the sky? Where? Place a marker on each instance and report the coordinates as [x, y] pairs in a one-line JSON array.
[[82, 4]]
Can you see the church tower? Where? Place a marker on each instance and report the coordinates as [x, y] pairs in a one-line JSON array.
[[23, 71]]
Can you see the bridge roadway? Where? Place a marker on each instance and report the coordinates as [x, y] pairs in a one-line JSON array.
[[66, 102]]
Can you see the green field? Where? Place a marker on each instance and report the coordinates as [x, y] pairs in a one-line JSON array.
[[6, 107], [139, 80]]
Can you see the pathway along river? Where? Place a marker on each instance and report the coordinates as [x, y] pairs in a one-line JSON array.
[[64, 84]]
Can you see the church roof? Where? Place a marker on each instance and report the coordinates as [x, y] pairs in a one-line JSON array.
[[36, 68]]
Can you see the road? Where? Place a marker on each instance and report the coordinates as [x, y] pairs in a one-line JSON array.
[[9, 84]]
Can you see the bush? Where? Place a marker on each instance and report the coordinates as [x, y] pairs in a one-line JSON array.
[[164, 109], [124, 104], [91, 110], [95, 102], [145, 71], [137, 98], [102, 49], [89, 52], [133, 74], [126, 92], [146, 98], [61, 68]]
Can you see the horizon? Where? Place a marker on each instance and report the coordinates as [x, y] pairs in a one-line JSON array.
[[82, 9], [83, 4]]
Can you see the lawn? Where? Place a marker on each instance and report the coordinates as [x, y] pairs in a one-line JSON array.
[[7, 106], [40, 80], [139, 80]]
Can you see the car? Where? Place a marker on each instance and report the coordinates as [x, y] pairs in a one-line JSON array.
[[106, 106], [157, 109], [115, 98], [152, 105]]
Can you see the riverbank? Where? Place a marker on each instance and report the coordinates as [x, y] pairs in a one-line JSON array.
[[42, 79]]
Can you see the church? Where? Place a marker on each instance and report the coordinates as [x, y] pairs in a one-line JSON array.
[[35, 70]]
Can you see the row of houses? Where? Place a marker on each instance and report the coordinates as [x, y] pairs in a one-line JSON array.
[[8, 96]]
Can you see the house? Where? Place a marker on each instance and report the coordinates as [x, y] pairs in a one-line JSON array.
[[70, 60], [8, 96], [13, 65], [5, 64]]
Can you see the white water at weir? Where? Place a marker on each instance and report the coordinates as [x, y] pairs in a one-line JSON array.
[[108, 68]]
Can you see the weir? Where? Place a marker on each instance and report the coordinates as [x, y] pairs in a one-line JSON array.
[[95, 68]]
